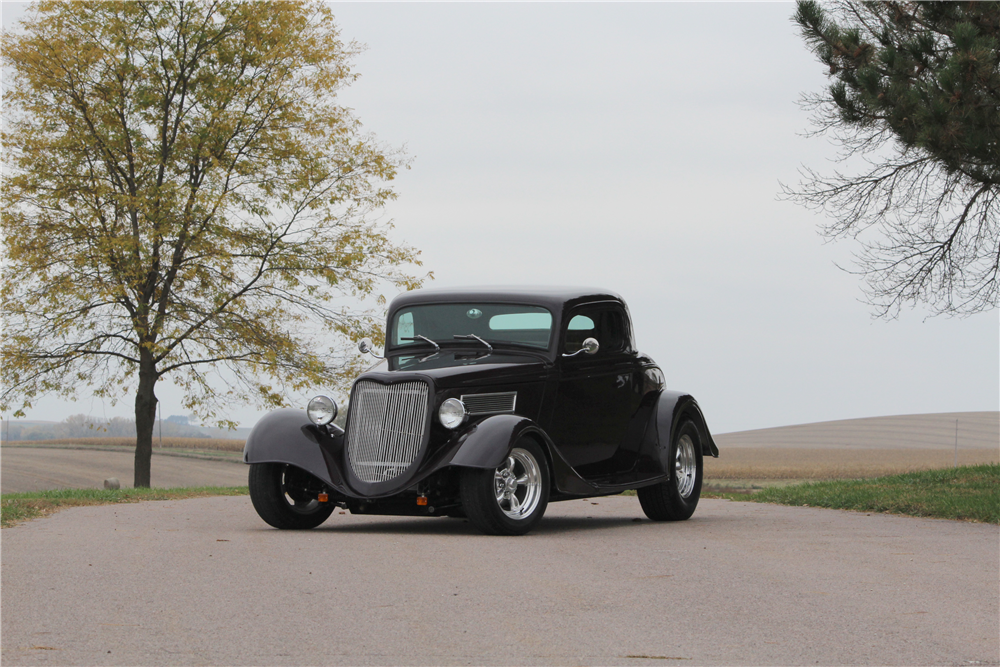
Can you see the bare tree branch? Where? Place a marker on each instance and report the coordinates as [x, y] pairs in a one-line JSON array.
[[915, 96]]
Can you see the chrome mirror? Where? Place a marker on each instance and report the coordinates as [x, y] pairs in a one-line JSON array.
[[590, 346], [365, 347]]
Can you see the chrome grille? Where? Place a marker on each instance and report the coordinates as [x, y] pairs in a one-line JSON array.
[[490, 404], [386, 428]]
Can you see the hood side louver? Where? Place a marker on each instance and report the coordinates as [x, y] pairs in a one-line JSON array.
[[490, 404]]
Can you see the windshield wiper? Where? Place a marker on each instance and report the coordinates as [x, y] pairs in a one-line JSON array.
[[437, 348], [475, 337]]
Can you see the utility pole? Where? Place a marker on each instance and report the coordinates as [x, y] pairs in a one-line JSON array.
[[956, 443]]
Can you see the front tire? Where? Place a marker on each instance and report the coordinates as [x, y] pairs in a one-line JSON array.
[[677, 498], [511, 499], [278, 493]]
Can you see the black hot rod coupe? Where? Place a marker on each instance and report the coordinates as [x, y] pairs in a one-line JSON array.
[[488, 404]]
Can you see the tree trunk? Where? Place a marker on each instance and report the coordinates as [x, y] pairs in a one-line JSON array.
[[145, 418]]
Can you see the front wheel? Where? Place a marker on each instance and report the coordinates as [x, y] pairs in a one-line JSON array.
[[511, 499], [279, 493], [677, 498]]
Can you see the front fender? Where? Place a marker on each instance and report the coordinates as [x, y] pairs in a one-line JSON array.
[[487, 444], [287, 436]]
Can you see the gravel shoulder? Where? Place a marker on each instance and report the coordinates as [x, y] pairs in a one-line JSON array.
[[204, 581]]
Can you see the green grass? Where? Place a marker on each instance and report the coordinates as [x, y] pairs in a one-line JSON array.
[[969, 493], [18, 507]]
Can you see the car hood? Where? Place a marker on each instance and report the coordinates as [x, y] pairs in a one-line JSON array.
[[454, 368]]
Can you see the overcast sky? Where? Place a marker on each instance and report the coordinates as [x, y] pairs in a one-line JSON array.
[[639, 147]]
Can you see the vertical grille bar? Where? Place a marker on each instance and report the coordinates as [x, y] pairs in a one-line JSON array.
[[387, 425]]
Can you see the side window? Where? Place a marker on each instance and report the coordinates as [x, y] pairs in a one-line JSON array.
[[580, 328], [605, 323]]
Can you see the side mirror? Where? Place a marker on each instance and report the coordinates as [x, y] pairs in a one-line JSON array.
[[590, 346], [365, 347]]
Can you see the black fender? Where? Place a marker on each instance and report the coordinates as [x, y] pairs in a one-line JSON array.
[[287, 436], [672, 409], [487, 444]]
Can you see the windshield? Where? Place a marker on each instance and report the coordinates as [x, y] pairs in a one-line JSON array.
[[493, 322]]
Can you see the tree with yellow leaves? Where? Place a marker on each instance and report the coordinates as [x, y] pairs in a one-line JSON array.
[[184, 197]]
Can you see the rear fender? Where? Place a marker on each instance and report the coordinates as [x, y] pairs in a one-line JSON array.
[[287, 436], [673, 409]]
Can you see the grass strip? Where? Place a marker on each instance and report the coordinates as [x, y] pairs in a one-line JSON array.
[[19, 507], [968, 493]]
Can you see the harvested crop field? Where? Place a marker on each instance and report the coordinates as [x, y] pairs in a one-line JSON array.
[[846, 449], [856, 448], [832, 463], [204, 444], [976, 430]]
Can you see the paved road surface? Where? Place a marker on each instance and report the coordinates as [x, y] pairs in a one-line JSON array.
[[41, 468], [204, 581]]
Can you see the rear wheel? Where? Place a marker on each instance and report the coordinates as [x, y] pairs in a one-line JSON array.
[[280, 496], [512, 498], [677, 498]]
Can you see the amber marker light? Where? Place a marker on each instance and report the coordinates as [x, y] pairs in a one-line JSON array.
[[421, 500], [323, 497]]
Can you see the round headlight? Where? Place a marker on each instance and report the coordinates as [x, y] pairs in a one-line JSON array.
[[322, 410], [452, 413]]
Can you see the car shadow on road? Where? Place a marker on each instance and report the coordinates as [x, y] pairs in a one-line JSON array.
[[446, 526]]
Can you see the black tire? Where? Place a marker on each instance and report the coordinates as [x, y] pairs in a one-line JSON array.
[[497, 506], [277, 491], [677, 498]]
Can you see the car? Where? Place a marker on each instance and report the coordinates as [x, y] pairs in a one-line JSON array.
[[488, 404]]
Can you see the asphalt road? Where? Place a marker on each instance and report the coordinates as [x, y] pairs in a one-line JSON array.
[[42, 468], [205, 581]]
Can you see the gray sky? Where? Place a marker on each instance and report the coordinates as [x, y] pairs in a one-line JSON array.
[[639, 147]]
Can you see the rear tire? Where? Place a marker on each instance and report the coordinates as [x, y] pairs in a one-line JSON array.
[[511, 499], [278, 493], [677, 498]]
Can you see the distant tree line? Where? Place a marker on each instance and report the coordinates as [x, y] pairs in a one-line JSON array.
[[83, 426]]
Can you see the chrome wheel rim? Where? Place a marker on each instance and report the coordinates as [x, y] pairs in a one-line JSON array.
[[517, 484], [685, 466]]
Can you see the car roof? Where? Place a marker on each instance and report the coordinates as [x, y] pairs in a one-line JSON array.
[[555, 298]]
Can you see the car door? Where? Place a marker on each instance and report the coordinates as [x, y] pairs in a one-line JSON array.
[[596, 395]]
